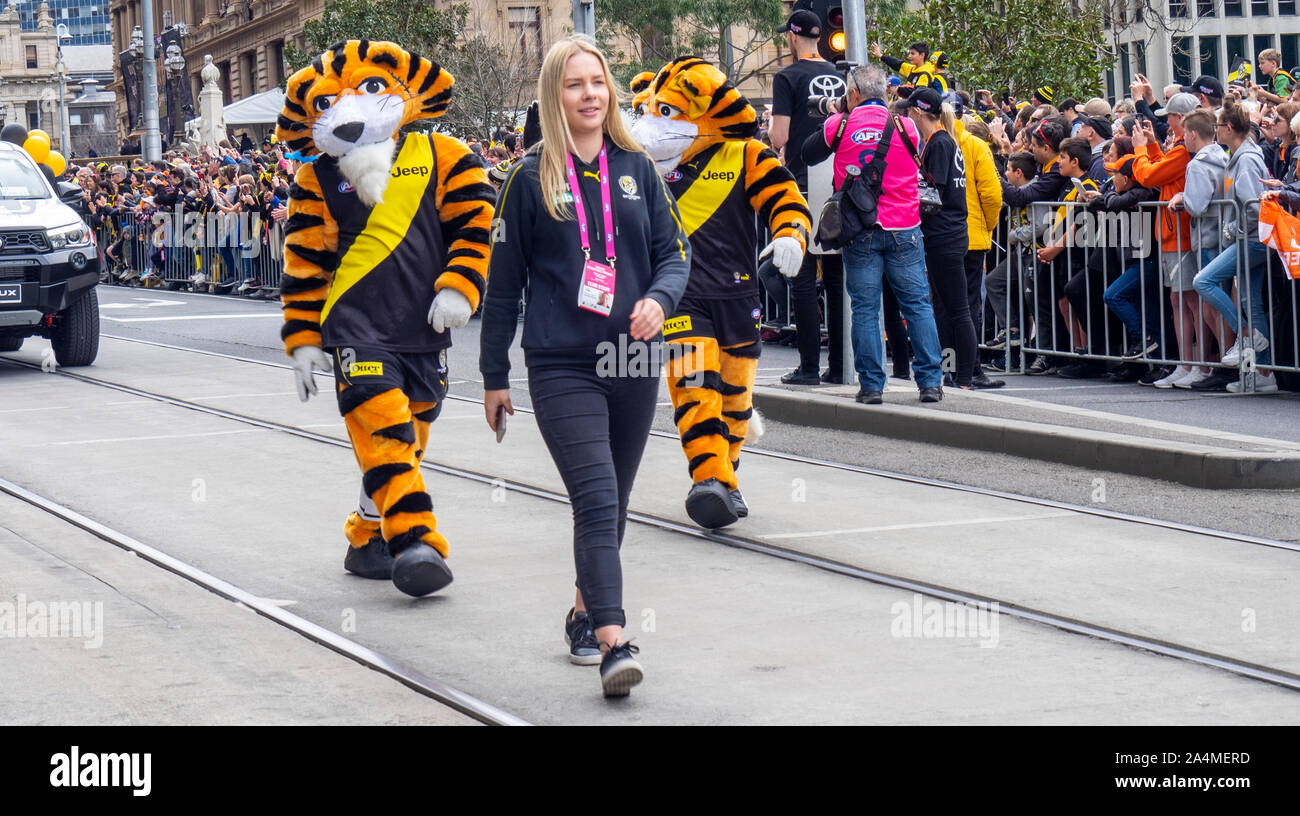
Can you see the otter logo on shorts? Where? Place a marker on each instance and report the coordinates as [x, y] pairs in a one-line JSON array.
[[677, 324], [366, 370]]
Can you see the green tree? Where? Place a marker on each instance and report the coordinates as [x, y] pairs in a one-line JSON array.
[[417, 26], [491, 80], [661, 30], [1016, 45]]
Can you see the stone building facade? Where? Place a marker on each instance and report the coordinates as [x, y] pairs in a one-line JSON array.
[[29, 85]]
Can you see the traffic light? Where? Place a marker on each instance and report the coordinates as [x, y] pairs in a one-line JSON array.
[[833, 41]]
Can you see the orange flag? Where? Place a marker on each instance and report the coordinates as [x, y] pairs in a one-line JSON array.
[[1281, 230]]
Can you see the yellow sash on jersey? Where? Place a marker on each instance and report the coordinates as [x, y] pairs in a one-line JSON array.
[[706, 194], [413, 171]]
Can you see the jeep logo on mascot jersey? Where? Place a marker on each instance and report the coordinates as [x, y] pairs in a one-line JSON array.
[[714, 175], [398, 172]]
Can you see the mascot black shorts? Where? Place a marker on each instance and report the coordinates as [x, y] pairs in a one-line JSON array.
[[422, 376], [732, 322]]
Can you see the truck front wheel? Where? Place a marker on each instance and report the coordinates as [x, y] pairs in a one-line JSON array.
[[76, 332]]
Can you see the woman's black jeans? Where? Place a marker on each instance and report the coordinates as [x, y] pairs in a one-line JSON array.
[[596, 430]]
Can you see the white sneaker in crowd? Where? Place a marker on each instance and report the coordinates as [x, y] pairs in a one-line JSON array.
[[1258, 341], [1173, 377], [1194, 376], [1264, 383]]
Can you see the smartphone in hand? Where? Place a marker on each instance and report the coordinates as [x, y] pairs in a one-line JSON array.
[[501, 422]]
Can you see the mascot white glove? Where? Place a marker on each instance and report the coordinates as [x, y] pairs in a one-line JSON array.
[[450, 310], [306, 358], [787, 255]]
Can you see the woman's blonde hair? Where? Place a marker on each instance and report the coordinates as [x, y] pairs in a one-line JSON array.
[[557, 140], [947, 118]]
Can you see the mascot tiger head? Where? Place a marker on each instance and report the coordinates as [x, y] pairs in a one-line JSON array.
[[351, 102], [687, 107]]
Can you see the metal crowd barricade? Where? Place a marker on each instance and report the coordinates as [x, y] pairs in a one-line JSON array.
[[209, 252], [1095, 244]]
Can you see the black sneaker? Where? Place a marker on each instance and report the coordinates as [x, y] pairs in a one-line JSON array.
[[420, 569], [870, 397], [619, 671], [1083, 370], [1156, 373], [1216, 382], [1139, 349], [584, 649], [1042, 367], [932, 394], [980, 381], [1002, 339], [832, 376], [738, 502], [371, 561], [709, 505], [998, 365], [1127, 373], [801, 377]]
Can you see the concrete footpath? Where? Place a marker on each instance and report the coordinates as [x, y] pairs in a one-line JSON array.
[[728, 636], [997, 423]]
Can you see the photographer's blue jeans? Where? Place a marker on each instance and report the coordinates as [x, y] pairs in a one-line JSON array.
[[898, 254], [1212, 278]]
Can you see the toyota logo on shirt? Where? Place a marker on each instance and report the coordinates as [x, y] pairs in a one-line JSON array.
[[826, 85]]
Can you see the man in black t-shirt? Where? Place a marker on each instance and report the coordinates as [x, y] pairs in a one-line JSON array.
[[809, 76]]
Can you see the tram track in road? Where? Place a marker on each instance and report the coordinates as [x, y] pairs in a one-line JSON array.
[[1099, 512], [413, 679], [1267, 674]]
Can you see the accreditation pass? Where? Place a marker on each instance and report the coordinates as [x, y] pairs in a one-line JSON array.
[[597, 291]]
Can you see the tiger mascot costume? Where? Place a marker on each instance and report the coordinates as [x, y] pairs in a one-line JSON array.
[[700, 132], [386, 250]]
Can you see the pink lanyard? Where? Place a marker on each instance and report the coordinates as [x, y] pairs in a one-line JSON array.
[[605, 204]]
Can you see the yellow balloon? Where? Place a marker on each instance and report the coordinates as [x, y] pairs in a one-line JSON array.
[[39, 134], [37, 149], [56, 162]]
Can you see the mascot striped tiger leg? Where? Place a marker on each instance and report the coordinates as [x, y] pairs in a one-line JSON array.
[[738, 365], [700, 395]]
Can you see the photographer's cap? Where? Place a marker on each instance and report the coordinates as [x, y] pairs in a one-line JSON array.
[[802, 22], [925, 99]]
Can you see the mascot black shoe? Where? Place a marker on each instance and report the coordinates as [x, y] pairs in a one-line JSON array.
[[386, 248], [709, 504], [370, 560], [700, 132]]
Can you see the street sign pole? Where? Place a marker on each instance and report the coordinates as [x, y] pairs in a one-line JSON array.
[[152, 144], [855, 52]]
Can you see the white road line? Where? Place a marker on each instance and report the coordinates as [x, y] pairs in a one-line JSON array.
[[276, 315], [150, 438], [43, 408], [920, 525], [236, 396]]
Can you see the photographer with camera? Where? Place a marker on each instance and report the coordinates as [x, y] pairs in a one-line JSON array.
[[890, 244], [801, 94]]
